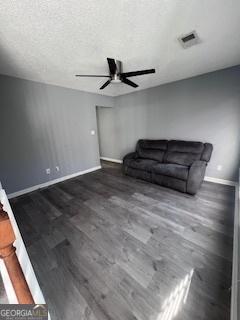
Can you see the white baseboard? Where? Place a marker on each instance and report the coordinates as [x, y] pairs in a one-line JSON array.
[[51, 182], [111, 160], [209, 179], [221, 181]]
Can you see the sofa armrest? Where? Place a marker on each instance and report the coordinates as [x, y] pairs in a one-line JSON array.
[[196, 176], [127, 159], [130, 156]]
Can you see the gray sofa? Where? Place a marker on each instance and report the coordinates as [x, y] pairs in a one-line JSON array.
[[176, 164]]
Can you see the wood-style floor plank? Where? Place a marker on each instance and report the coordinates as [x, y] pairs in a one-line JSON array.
[[109, 247]]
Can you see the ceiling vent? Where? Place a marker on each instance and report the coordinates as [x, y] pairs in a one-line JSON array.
[[189, 39]]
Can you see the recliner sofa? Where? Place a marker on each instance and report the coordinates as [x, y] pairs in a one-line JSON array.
[[176, 164]]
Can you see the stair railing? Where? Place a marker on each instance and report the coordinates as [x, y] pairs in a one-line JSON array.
[[8, 254]]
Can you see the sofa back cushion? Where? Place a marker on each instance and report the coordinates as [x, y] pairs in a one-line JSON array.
[[183, 152], [152, 149], [174, 151]]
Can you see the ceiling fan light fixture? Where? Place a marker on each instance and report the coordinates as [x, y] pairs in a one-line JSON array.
[[116, 80]]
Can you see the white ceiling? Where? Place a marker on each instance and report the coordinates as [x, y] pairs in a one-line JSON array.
[[51, 40]]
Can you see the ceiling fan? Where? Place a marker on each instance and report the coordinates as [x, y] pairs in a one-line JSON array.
[[116, 75]]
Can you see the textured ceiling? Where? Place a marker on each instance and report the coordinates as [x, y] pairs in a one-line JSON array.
[[51, 40]]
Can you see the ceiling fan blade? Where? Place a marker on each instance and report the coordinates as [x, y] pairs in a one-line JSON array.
[[91, 75], [130, 83], [137, 73], [112, 65], [105, 84]]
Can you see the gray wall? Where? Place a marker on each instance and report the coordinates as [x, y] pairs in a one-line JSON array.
[[204, 108], [43, 126]]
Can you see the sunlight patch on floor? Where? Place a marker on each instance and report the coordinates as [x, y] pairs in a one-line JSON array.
[[178, 297]]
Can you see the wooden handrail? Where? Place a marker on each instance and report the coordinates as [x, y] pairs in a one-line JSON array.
[[8, 254]]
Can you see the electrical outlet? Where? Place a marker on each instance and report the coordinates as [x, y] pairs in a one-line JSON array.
[[48, 171], [219, 167], [57, 168]]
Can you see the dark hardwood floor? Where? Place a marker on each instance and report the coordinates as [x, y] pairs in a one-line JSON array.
[[105, 246], [3, 295]]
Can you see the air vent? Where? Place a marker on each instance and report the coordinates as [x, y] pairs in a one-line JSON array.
[[189, 39]]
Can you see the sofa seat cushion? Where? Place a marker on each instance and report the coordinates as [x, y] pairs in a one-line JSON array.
[[142, 164], [139, 174], [171, 170]]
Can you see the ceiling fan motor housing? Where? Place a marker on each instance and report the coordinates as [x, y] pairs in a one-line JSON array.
[[116, 76]]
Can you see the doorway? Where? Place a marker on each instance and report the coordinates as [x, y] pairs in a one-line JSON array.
[[106, 132]]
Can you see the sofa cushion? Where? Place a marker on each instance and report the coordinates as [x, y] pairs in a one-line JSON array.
[[152, 149], [140, 174], [183, 152], [171, 170], [182, 158], [157, 155], [142, 164], [153, 144], [185, 146]]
